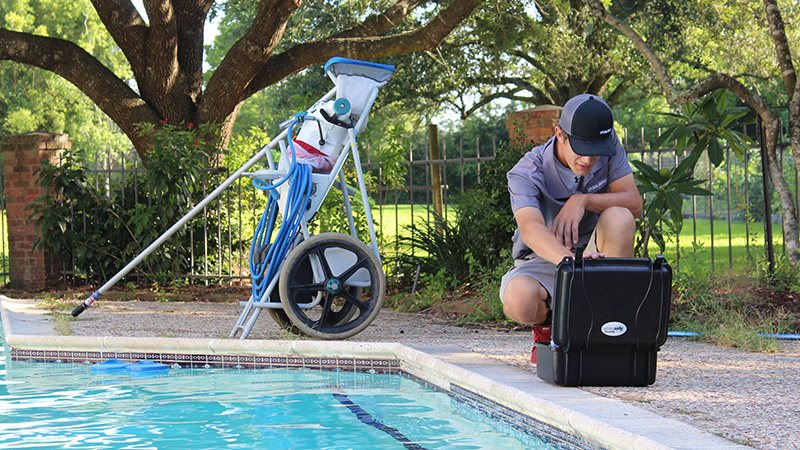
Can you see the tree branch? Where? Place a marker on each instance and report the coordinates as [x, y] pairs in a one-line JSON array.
[[660, 70], [127, 28], [782, 49], [245, 58], [485, 100], [191, 17], [74, 64], [383, 22], [306, 54]]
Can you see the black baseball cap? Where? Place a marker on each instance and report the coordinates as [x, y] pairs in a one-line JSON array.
[[589, 123]]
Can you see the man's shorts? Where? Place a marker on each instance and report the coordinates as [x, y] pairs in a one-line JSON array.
[[540, 269]]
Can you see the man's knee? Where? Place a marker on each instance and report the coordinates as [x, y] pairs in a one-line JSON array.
[[618, 216], [616, 232], [525, 300], [617, 222]]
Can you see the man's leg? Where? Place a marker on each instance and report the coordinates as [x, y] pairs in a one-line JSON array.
[[616, 233], [525, 301]]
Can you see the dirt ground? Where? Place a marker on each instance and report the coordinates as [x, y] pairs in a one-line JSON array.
[[784, 307]]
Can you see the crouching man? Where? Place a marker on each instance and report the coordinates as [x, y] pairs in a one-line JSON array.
[[575, 191]]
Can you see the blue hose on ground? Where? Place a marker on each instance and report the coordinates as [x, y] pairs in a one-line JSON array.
[[265, 267], [789, 337]]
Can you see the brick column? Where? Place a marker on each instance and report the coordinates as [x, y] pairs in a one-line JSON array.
[[533, 126], [23, 154]]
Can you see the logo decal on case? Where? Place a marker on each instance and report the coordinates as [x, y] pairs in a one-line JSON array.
[[614, 329]]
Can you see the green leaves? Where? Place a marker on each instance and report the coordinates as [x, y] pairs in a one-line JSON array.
[[663, 191], [100, 232], [706, 125]]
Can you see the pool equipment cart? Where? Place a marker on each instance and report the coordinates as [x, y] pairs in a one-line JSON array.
[[327, 286]]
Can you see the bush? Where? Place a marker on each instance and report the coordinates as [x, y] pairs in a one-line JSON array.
[[471, 242], [100, 234]]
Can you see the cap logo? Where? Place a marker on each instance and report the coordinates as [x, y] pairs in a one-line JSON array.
[[605, 131]]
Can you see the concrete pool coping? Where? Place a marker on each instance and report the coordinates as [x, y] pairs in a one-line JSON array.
[[608, 423]]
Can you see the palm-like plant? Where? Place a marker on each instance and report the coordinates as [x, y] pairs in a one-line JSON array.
[[705, 125]]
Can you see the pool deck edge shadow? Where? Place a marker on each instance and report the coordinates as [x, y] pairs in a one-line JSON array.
[[610, 423]]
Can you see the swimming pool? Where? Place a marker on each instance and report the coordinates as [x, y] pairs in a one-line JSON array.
[[64, 405], [573, 416]]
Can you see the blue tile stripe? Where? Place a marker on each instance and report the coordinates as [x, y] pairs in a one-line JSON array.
[[367, 419]]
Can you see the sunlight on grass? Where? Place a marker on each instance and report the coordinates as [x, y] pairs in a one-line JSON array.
[[742, 244], [746, 243]]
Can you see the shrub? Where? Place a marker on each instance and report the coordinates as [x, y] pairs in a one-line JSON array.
[[99, 234]]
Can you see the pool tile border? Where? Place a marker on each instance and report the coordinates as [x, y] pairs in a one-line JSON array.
[[200, 360]]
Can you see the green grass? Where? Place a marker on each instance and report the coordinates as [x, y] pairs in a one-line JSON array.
[[729, 250], [742, 250], [393, 221]]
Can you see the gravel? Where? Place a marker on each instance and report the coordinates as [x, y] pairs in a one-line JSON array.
[[750, 398]]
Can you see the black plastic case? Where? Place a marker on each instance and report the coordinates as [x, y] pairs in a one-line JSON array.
[[610, 318]]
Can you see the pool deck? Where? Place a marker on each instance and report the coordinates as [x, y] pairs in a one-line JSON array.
[[611, 423]]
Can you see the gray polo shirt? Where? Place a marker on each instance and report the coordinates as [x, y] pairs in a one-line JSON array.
[[541, 181]]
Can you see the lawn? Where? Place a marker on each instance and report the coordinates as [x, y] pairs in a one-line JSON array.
[[721, 250], [706, 253]]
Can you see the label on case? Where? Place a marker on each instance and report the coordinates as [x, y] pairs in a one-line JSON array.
[[614, 329]]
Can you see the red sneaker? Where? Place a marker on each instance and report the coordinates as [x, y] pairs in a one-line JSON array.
[[541, 333]]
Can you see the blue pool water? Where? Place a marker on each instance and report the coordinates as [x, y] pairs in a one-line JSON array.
[[60, 405]]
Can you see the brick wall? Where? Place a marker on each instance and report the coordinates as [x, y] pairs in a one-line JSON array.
[[23, 154], [533, 126]]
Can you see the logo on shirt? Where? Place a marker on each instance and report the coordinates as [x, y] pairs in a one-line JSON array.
[[597, 186]]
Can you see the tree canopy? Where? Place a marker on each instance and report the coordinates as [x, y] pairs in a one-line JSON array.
[[165, 54]]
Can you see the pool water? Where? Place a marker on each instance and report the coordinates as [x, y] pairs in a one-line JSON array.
[[60, 405]]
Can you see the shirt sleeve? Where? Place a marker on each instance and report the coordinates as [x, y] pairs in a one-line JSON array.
[[618, 165], [524, 183]]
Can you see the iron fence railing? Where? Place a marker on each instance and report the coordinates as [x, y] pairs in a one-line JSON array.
[[735, 204]]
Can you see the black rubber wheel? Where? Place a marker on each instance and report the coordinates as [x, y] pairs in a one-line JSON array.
[[305, 276], [350, 280]]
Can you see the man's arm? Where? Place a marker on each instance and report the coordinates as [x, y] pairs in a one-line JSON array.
[[535, 234], [621, 192]]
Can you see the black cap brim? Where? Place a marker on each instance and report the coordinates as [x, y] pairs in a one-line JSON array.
[[593, 147]]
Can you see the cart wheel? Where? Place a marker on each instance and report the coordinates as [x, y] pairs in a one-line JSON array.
[[305, 274], [351, 283]]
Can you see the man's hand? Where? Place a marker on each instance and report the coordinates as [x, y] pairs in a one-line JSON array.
[[565, 225], [593, 255]]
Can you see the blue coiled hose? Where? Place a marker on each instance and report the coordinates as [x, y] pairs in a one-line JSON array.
[[299, 175]]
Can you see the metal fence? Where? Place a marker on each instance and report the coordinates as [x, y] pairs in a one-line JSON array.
[[728, 226], [229, 221]]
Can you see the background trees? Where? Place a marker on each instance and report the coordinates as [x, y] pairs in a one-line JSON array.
[[724, 71], [641, 56], [165, 55]]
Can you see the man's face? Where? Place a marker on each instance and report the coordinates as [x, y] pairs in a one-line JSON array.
[[580, 165]]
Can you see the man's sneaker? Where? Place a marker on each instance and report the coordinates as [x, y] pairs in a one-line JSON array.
[[541, 333]]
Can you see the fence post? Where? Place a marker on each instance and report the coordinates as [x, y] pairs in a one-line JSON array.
[[22, 155], [767, 203], [436, 173]]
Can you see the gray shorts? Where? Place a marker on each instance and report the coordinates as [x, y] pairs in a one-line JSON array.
[[539, 269]]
